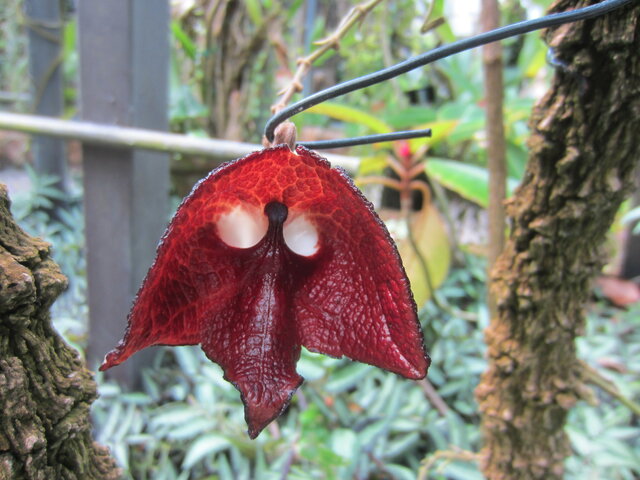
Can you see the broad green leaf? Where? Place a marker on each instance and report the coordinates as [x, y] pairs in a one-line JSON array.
[[468, 181], [430, 235], [191, 429], [209, 444], [350, 115], [176, 414], [347, 377], [440, 131], [344, 442], [409, 117], [372, 165]]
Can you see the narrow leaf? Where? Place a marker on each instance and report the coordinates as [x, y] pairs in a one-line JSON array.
[[350, 115], [209, 444], [468, 181]]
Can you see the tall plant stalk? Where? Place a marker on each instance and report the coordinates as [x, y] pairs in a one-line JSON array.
[[496, 157]]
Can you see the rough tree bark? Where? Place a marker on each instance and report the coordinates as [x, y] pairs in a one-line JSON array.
[[584, 148], [45, 391]]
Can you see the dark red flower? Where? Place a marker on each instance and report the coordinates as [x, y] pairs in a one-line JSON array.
[[269, 253]]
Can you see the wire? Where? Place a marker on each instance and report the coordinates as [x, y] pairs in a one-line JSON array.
[[380, 137], [437, 54]]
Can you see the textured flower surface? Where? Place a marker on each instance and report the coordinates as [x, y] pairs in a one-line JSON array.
[[271, 252]]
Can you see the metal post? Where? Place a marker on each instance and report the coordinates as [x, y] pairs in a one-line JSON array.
[[124, 59], [44, 22]]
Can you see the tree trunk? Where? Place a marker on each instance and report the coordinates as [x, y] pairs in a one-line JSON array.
[[584, 147], [234, 44], [45, 391]]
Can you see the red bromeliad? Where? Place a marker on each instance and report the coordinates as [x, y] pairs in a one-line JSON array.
[[271, 252]]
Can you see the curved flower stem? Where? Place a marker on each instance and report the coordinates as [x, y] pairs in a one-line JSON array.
[[594, 377], [424, 189], [433, 397], [387, 182], [438, 53], [445, 209], [444, 306], [422, 260], [449, 456]]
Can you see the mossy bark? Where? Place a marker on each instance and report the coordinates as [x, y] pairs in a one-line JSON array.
[[45, 391], [584, 146]]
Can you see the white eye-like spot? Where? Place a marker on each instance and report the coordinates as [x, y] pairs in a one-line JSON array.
[[242, 227], [301, 236]]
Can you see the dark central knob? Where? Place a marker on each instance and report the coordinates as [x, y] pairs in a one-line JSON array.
[[276, 212]]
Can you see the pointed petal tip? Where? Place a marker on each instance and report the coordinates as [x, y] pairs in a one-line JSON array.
[[254, 430], [418, 371], [258, 417], [109, 361], [113, 358], [260, 414]]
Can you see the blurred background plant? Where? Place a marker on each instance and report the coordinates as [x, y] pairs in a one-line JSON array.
[[348, 420], [14, 91]]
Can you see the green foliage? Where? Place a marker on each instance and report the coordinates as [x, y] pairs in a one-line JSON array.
[[455, 114], [348, 420], [14, 66], [632, 216], [350, 114], [604, 434], [468, 181]]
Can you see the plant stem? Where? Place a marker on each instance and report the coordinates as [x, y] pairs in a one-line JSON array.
[[493, 87], [449, 456], [592, 376], [433, 397], [355, 15]]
